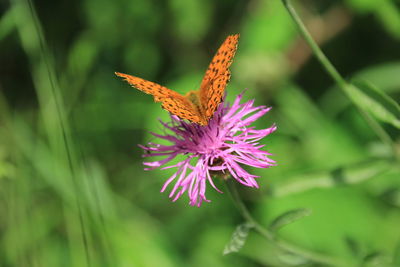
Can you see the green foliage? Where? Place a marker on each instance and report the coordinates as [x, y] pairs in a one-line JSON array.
[[73, 191], [376, 102], [238, 238], [288, 218], [385, 10]]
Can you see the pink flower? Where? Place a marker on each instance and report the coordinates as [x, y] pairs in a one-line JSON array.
[[221, 147]]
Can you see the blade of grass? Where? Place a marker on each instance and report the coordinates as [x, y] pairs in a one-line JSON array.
[[49, 95]]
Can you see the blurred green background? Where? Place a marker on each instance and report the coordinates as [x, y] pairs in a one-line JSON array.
[[73, 191]]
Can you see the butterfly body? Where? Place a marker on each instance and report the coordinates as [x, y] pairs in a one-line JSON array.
[[194, 98], [196, 106]]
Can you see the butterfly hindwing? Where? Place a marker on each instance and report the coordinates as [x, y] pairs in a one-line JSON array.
[[184, 109], [218, 69]]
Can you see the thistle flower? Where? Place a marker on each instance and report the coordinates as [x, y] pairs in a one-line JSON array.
[[221, 147]]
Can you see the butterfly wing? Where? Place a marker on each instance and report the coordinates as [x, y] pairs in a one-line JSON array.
[[215, 94], [217, 76], [171, 101], [154, 89], [184, 109]]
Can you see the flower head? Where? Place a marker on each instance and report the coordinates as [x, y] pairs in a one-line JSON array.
[[222, 146]]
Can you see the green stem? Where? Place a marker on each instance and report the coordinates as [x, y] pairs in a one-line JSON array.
[[335, 75], [314, 47], [313, 256]]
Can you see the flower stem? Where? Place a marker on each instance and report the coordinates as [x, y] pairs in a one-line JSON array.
[[310, 255]]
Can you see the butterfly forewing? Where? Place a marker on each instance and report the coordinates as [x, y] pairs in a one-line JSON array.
[[196, 106], [215, 93], [171, 100], [154, 89], [217, 76]]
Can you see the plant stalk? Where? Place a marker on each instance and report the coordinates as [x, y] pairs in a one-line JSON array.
[[310, 255], [335, 75]]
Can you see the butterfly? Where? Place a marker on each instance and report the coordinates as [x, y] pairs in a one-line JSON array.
[[196, 106]]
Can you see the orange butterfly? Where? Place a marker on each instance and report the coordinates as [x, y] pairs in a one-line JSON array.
[[196, 106]]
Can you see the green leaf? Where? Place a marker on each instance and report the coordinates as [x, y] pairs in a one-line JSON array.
[[6, 170], [292, 259], [392, 196], [352, 245], [385, 76], [238, 238], [7, 23], [396, 255], [376, 102], [376, 259], [288, 218]]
